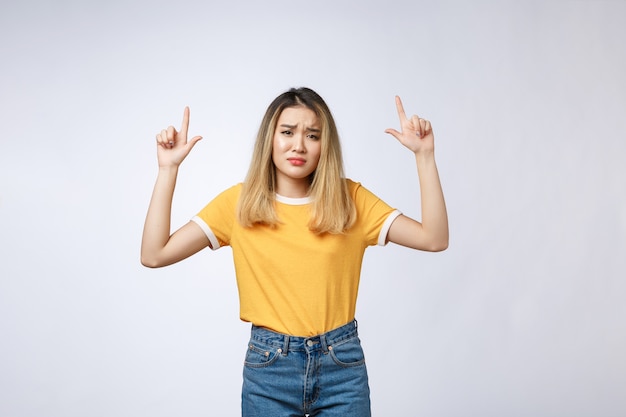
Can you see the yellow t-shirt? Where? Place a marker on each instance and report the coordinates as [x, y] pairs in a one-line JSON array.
[[291, 280]]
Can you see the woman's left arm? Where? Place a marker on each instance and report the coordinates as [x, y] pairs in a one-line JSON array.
[[432, 233]]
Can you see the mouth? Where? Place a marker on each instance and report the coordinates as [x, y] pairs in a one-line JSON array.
[[297, 161]]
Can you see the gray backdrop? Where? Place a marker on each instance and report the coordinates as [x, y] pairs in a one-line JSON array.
[[522, 316]]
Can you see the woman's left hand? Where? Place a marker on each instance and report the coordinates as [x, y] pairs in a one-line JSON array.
[[416, 133]]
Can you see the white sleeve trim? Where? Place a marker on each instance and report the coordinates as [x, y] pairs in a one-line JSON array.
[[215, 244], [382, 237]]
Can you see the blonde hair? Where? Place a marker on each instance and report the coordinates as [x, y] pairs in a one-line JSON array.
[[332, 209]]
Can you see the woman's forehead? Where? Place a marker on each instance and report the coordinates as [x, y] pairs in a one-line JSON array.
[[299, 115]]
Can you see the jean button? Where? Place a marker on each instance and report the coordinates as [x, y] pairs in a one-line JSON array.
[[310, 343]]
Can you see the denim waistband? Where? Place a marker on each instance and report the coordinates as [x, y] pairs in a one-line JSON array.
[[298, 343]]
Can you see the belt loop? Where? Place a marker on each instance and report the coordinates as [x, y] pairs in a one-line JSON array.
[[285, 345], [324, 342]]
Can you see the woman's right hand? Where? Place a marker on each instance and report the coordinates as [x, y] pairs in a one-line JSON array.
[[173, 146]]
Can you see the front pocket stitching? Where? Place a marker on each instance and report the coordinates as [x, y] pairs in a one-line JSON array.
[[344, 364], [262, 352]]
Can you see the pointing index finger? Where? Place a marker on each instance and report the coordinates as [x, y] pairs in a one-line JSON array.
[[400, 108], [185, 125]]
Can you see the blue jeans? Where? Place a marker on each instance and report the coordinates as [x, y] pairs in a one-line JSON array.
[[289, 376]]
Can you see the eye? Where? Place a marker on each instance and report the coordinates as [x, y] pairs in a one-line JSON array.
[[287, 132], [312, 136]]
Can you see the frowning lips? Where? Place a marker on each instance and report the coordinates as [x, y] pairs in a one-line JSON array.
[[297, 161]]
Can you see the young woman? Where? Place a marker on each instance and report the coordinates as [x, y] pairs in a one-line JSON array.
[[298, 230]]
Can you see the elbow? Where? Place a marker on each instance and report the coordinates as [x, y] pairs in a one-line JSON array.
[[150, 262], [435, 248], [438, 245], [441, 242]]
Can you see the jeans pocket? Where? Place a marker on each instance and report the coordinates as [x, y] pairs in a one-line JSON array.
[[348, 353], [261, 356]]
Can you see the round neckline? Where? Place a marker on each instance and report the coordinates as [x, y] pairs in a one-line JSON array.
[[300, 201]]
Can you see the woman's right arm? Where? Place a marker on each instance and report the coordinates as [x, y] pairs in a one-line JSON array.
[[158, 247]]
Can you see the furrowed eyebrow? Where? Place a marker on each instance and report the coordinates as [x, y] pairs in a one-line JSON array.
[[310, 129]]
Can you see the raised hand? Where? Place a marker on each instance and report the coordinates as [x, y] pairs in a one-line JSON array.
[[416, 133], [172, 145]]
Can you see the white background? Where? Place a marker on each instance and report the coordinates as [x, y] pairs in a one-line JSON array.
[[524, 314]]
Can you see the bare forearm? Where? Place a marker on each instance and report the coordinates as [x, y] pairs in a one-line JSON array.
[[156, 230], [432, 233], [434, 213]]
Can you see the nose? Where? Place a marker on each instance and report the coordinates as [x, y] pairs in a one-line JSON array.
[[298, 144]]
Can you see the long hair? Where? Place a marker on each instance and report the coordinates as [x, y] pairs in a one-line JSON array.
[[332, 209]]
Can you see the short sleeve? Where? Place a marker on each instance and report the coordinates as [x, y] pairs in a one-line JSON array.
[[217, 218], [374, 216]]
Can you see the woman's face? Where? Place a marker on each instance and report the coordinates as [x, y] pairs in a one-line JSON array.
[[296, 149]]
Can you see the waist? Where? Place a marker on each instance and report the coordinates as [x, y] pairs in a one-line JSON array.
[[300, 343]]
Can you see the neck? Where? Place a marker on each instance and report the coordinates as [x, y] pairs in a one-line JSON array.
[[292, 188]]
